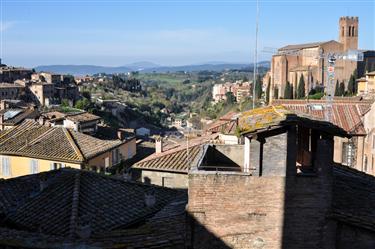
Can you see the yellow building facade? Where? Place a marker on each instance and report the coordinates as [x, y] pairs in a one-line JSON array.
[[31, 148]]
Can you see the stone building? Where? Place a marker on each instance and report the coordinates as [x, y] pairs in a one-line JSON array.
[[286, 193], [366, 85], [42, 93], [10, 74], [293, 61], [11, 91]]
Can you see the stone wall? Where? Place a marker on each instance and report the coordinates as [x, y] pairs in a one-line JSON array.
[[165, 179]]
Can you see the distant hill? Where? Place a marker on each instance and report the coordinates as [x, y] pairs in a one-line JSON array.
[[142, 67]]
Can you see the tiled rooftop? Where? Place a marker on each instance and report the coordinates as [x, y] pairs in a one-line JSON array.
[[114, 209], [301, 46], [54, 143], [346, 115], [82, 117], [176, 159]]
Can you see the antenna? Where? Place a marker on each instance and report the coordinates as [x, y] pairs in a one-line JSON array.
[[255, 52]]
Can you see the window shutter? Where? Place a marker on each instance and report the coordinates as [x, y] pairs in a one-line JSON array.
[[51, 166]]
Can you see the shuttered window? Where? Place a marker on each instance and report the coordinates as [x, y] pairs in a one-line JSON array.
[[5, 166], [34, 166]]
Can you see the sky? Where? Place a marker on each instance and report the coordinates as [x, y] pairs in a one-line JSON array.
[[168, 32]]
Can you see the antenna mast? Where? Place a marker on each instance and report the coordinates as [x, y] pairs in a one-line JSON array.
[[255, 52]]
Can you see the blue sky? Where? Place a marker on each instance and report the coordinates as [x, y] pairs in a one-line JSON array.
[[118, 32]]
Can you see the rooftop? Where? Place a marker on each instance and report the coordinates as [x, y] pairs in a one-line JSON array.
[[10, 85], [15, 116], [302, 46], [347, 114], [176, 159], [53, 143], [51, 208], [82, 117]]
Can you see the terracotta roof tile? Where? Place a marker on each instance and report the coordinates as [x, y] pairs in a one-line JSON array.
[[54, 143], [50, 218], [175, 160], [346, 114]]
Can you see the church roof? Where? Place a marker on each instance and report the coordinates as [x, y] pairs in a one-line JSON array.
[[304, 45]]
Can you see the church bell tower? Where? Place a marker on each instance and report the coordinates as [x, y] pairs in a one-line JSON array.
[[348, 32]]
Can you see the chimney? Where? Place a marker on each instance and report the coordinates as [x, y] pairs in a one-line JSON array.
[[158, 145], [120, 134]]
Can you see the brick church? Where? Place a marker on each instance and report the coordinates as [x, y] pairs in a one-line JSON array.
[[293, 61]]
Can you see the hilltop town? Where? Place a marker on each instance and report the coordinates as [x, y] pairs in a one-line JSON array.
[[281, 157]]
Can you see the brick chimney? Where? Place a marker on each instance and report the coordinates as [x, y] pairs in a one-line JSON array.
[[158, 145], [120, 134]]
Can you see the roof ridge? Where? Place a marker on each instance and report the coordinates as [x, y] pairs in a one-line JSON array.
[[168, 152], [75, 204], [73, 143], [18, 131], [38, 138]]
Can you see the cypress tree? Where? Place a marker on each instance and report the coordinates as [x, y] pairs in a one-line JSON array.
[[351, 85], [258, 88], [287, 90], [342, 88], [291, 91], [337, 89], [301, 88], [276, 93]]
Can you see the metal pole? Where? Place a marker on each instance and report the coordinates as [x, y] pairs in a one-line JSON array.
[[255, 52]]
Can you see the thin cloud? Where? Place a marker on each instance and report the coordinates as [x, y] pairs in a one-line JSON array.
[[6, 25]]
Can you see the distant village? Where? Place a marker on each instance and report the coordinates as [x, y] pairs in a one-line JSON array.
[[280, 175]]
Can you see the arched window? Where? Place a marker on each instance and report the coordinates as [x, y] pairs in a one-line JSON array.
[[353, 31], [350, 31]]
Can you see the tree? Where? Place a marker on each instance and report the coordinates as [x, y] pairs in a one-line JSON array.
[[337, 89], [301, 88], [287, 90], [276, 93], [351, 85], [268, 90], [230, 99], [258, 88], [64, 103], [342, 88], [83, 104], [291, 92]]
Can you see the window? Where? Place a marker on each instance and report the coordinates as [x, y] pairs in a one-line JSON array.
[[115, 156], [106, 162], [365, 164], [129, 151], [5, 166], [373, 142], [347, 154], [34, 166], [55, 166]]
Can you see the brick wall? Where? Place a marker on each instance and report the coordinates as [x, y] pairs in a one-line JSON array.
[[279, 211]]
